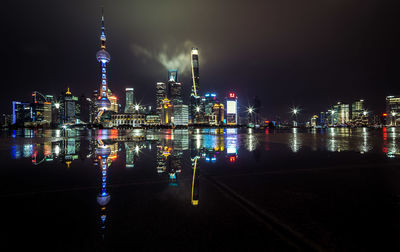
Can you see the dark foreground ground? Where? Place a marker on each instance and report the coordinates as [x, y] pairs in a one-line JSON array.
[[271, 199]]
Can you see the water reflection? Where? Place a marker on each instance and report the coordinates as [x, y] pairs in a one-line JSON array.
[[103, 158], [294, 141], [208, 145], [180, 156]]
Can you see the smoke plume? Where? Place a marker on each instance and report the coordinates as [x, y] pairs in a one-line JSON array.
[[171, 57]]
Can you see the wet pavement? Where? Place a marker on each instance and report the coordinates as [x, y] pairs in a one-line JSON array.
[[205, 189]]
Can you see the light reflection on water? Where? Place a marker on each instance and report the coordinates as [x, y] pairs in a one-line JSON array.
[[176, 149], [65, 144]]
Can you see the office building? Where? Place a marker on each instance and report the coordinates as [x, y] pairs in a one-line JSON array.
[[21, 113], [181, 115], [174, 92], [195, 99], [231, 109], [340, 114], [357, 110], [161, 94], [69, 110], [166, 112], [153, 120], [132, 119], [129, 101], [393, 110], [114, 106], [218, 114]]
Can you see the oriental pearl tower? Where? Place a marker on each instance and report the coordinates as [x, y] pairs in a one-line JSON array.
[[103, 103]]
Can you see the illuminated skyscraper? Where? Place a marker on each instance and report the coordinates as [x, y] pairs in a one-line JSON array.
[[231, 109], [357, 109], [194, 94], [69, 109], [181, 115], [103, 103], [195, 72], [392, 110], [340, 114], [129, 102], [175, 92], [161, 94]]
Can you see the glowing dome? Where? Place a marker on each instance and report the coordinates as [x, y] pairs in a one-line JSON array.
[[103, 56], [103, 103]]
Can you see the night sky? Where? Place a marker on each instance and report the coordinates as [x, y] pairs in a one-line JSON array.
[[290, 53]]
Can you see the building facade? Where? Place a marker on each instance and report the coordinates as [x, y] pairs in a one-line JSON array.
[[195, 99], [231, 109], [181, 115], [393, 110], [131, 119], [129, 100]]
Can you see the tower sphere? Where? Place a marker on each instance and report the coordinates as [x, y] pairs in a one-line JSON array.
[[103, 56], [103, 199], [103, 103]]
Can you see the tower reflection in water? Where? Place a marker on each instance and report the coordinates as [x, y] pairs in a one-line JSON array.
[[103, 160]]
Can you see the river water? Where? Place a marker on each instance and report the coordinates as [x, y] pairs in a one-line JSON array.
[[201, 189]]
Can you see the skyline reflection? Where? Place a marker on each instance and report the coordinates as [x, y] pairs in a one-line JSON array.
[[177, 162], [207, 144]]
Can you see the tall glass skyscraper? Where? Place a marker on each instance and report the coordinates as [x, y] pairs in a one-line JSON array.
[[129, 102], [195, 72], [194, 95]]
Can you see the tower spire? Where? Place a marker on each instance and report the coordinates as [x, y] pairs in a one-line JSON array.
[[103, 33], [103, 103]]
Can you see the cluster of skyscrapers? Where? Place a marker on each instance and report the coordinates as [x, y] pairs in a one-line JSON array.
[[172, 110], [356, 114]]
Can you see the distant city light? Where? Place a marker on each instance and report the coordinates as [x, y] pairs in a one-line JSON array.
[[57, 105], [197, 109], [137, 107], [250, 110]]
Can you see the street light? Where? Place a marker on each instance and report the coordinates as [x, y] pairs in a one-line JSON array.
[[250, 111], [137, 107], [197, 109], [394, 118], [365, 113], [57, 105], [295, 111]]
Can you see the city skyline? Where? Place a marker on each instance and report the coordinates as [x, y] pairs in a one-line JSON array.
[[315, 81]]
